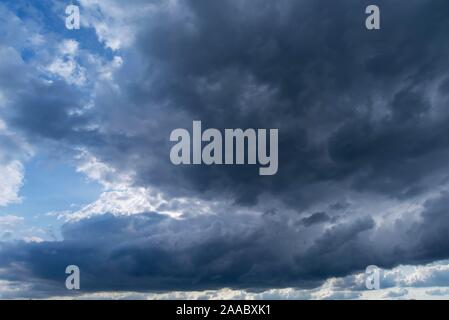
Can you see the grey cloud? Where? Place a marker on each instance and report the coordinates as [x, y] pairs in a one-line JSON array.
[[357, 111], [154, 252], [396, 293], [350, 109], [317, 217], [438, 292], [343, 296], [353, 108]]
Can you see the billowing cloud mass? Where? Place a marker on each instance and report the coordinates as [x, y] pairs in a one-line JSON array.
[[363, 145], [13, 151]]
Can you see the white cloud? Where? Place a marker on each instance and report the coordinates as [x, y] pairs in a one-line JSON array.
[[119, 202], [12, 290], [438, 292], [398, 293], [12, 176], [115, 25], [434, 274], [65, 64], [13, 150], [33, 239], [9, 220], [112, 24], [122, 197]]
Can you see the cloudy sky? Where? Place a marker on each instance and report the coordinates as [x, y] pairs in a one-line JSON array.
[[86, 177]]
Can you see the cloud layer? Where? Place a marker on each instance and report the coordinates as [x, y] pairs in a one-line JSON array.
[[363, 153]]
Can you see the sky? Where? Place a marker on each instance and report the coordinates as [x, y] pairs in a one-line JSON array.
[[85, 171]]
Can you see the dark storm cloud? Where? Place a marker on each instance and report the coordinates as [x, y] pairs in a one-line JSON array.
[[317, 217], [51, 113], [154, 252], [357, 110], [352, 107], [43, 108], [431, 236]]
